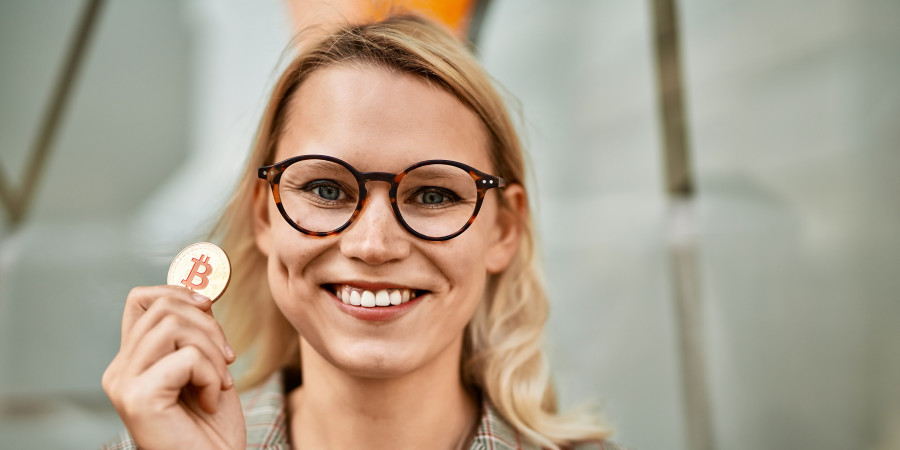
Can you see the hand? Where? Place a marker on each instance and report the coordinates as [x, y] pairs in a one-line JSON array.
[[170, 381]]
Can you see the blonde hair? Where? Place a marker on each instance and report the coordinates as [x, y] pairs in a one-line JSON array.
[[502, 355]]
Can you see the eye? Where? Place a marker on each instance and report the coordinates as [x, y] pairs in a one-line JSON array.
[[435, 197], [326, 190], [432, 197]]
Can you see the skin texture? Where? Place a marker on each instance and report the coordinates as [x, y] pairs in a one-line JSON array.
[[372, 376]]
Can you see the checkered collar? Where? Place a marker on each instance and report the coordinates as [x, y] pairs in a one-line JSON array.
[[266, 419]]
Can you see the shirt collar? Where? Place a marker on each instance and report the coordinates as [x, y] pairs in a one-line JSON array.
[[266, 418]]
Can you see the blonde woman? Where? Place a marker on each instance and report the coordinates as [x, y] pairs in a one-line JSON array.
[[384, 288]]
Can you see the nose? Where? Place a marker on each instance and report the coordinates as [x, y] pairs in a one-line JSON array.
[[375, 237]]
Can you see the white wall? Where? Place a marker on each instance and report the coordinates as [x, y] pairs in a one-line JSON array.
[[165, 106]]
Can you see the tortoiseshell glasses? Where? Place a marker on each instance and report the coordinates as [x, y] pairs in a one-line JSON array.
[[434, 200]]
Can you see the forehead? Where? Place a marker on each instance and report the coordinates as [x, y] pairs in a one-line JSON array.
[[378, 120]]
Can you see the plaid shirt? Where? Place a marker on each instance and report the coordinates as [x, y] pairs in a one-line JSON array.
[[265, 415]]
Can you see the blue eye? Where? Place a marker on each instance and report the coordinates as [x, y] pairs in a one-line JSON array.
[[435, 197], [432, 198], [327, 192]]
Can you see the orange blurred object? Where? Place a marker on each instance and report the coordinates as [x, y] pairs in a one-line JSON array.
[[453, 13], [456, 14]]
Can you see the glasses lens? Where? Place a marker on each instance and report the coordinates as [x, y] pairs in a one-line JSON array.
[[318, 195], [437, 200]]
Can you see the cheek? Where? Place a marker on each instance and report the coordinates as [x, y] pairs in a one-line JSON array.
[[289, 257], [289, 248], [462, 261], [287, 253]]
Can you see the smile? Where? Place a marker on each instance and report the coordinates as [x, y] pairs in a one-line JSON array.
[[371, 298]]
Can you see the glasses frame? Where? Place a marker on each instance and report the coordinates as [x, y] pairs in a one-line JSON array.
[[483, 183]]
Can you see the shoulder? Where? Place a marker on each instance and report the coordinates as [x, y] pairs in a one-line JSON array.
[[605, 444], [121, 441], [265, 414], [494, 432]]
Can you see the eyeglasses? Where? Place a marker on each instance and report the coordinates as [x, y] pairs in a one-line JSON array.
[[434, 200]]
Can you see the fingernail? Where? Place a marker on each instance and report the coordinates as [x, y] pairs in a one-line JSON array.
[[229, 352], [200, 298], [229, 380]]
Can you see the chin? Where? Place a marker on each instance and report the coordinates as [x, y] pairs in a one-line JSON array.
[[377, 360]]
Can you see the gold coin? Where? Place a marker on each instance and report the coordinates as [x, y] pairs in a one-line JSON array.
[[203, 268]]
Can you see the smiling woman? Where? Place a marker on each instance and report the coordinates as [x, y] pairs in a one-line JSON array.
[[384, 289]]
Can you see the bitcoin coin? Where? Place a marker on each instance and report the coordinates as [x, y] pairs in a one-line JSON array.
[[201, 267]]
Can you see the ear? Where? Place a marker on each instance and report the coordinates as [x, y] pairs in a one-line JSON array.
[[508, 229], [262, 226]]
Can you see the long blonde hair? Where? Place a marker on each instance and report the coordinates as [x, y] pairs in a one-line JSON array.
[[502, 355]]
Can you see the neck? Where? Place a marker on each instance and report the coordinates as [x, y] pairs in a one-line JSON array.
[[426, 408]]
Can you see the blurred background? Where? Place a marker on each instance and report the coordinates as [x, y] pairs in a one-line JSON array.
[[717, 194]]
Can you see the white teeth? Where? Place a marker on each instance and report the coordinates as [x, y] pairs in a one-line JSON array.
[[362, 297], [382, 298], [396, 298], [367, 299]]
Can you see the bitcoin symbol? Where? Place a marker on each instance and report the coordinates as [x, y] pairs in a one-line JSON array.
[[202, 261], [207, 267]]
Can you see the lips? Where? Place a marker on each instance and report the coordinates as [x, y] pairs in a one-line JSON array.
[[372, 297]]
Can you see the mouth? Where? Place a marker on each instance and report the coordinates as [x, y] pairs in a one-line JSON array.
[[372, 296]]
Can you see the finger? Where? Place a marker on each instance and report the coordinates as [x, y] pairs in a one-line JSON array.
[[189, 316], [176, 371], [172, 306], [141, 298], [171, 333]]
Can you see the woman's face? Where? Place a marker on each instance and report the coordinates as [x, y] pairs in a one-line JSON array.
[[380, 121]]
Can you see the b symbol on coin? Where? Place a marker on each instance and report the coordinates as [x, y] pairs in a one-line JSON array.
[[203, 262], [203, 268]]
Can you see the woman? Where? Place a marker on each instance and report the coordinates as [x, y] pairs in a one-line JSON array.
[[376, 310]]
